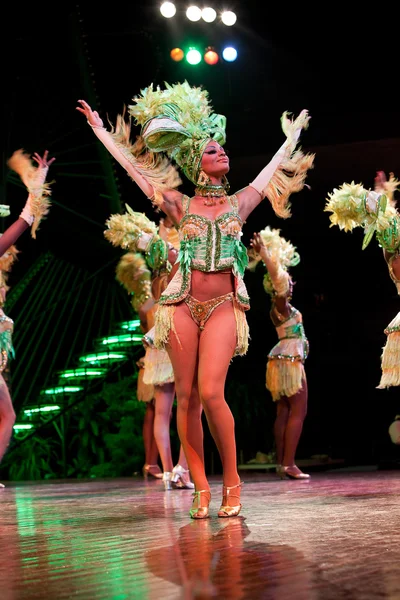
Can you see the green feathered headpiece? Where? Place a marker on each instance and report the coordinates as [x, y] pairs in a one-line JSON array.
[[178, 121]]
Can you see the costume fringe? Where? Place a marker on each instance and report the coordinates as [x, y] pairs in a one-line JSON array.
[[144, 392], [33, 179], [242, 330], [288, 178], [284, 377], [156, 168], [390, 358], [157, 367], [164, 324], [131, 271]]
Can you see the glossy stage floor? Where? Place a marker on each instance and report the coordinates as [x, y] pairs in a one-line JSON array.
[[334, 537]]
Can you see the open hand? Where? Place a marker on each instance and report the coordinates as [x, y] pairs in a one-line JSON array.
[[43, 161], [257, 243], [92, 116]]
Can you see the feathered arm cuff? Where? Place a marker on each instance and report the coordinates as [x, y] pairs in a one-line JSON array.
[[152, 172], [287, 171], [280, 281], [133, 274], [38, 204]]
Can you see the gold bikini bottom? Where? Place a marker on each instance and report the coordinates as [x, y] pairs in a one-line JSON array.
[[202, 311]]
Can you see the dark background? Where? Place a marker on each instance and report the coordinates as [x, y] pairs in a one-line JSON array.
[[342, 68]]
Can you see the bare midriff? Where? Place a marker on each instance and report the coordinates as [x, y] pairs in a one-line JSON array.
[[205, 286]]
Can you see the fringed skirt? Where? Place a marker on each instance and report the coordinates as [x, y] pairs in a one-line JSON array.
[[390, 358], [164, 325], [157, 367], [144, 391], [285, 368]]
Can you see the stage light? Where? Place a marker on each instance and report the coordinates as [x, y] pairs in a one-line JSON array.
[[229, 54], [39, 409], [134, 324], [211, 57], [208, 14], [176, 54], [228, 18], [193, 56], [193, 13], [168, 9]]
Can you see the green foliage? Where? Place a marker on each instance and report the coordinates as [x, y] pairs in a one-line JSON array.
[[103, 439]]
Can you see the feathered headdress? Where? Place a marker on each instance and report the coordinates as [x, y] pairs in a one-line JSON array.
[[178, 121], [281, 250], [127, 230], [353, 206]]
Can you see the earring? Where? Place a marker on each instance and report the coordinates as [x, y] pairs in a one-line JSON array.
[[203, 179]]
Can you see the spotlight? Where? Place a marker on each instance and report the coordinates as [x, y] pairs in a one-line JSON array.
[[193, 13], [211, 57], [229, 54], [193, 56], [167, 9], [208, 14], [176, 54], [228, 18]]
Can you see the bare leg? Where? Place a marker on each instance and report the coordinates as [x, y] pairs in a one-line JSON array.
[[196, 425], [164, 397], [150, 445], [294, 427], [216, 349], [183, 354], [7, 417], [282, 415]]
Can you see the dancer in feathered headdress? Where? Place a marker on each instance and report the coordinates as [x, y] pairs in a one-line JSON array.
[[374, 211], [285, 377], [201, 315], [36, 207]]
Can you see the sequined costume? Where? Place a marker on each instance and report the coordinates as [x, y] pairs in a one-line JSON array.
[[6, 329], [390, 358], [285, 366], [208, 246], [352, 205]]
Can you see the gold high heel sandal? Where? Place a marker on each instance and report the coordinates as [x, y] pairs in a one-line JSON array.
[[146, 471], [200, 512], [292, 473], [226, 510]]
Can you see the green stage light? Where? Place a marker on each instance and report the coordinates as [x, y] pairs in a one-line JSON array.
[[127, 339], [21, 426], [40, 409], [82, 373], [133, 325], [63, 389], [193, 56], [102, 357]]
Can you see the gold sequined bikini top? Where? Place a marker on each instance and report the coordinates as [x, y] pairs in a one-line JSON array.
[[213, 244]]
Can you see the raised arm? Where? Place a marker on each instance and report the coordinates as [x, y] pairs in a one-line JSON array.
[[279, 277], [284, 174], [154, 175], [37, 204]]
